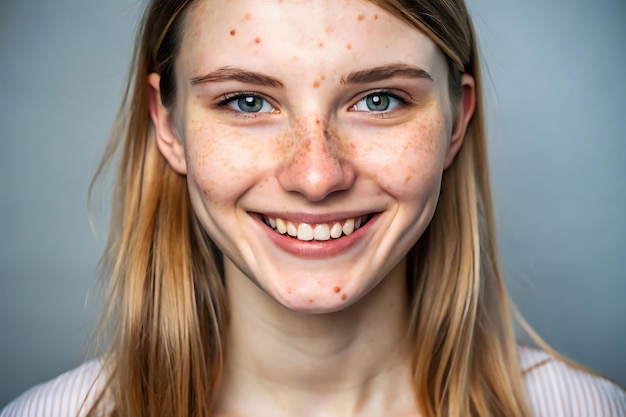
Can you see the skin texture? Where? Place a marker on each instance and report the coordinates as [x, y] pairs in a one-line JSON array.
[[311, 334]]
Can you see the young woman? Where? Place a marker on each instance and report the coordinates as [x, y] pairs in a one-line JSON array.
[[303, 226]]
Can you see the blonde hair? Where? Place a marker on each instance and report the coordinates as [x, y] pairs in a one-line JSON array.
[[166, 313]]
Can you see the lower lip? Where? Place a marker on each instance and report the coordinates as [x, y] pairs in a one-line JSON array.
[[316, 248]]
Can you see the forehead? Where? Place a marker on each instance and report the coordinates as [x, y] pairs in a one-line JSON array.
[[288, 36]]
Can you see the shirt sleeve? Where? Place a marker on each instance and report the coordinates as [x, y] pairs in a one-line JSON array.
[[71, 394], [556, 389]]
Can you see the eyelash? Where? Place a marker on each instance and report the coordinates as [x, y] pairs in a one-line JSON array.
[[226, 99], [230, 97], [404, 101]]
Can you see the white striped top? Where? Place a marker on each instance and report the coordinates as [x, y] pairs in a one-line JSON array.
[[554, 389]]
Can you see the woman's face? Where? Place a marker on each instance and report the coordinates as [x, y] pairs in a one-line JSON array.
[[313, 136]]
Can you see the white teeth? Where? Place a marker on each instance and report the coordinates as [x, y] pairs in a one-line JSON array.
[[281, 226], [305, 232], [336, 231], [321, 232], [348, 227]]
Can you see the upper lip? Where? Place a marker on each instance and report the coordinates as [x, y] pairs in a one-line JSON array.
[[316, 218]]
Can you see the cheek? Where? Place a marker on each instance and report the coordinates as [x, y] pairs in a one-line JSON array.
[[223, 162], [216, 168], [408, 161]]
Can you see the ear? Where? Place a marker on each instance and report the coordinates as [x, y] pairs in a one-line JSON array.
[[464, 113], [168, 142]]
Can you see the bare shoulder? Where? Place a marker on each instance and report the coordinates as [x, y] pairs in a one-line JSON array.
[[557, 389], [70, 394]]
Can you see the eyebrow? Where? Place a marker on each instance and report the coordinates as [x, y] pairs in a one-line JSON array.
[[385, 72], [369, 75], [237, 74]]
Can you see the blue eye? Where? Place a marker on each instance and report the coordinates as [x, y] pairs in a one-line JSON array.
[[378, 102], [247, 103]]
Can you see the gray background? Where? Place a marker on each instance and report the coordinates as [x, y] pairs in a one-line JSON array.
[[556, 108]]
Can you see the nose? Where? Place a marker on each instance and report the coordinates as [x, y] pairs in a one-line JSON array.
[[315, 166]]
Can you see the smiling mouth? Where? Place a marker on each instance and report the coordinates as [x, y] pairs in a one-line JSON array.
[[318, 231]]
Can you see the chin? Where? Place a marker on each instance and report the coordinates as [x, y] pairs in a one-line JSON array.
[[314, 304]]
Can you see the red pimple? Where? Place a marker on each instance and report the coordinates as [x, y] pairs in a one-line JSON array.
[[257, 40], [337, 289], [233, 32], [317, 122], [360, 18], [343, 297]]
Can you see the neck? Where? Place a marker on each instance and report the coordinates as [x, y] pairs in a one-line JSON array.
[[352, 362]]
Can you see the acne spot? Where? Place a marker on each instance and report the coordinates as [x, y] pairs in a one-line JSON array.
[[316, 84], [360, 18], [233, 32], [311, 300], [343, 297], [248, 16], [317, 121], [321, 44], [329, 29], [289, 290], [322, 77], [349, 46], [257, 40], [337, 290], [375, 17]]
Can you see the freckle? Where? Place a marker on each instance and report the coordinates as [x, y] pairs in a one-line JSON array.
[[257, 40], [375, 17], [360, 18], [321, 44], [310, 300], [233, 32], [316, 84], [349, 46], [323, 77], [337, 289], [407, 179], [343, 297]]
